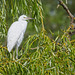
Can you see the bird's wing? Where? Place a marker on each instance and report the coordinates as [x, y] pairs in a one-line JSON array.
[[13, 35]]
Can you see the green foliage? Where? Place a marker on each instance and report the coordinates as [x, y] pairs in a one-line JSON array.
[[39, 54]]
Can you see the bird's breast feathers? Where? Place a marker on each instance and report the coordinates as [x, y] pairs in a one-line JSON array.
[[14, 32]]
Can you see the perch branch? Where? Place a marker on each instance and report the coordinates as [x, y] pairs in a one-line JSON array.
[[67, 10]]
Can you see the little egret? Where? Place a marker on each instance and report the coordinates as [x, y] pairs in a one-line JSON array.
[[16, 33]]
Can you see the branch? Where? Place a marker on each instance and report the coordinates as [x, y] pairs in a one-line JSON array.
[[67, 10]]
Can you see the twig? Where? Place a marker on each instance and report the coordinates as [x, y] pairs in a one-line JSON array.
[[33, 48], [37, 47], [67, 10], [41, 16]]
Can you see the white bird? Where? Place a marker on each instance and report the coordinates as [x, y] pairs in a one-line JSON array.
[[16, 33]]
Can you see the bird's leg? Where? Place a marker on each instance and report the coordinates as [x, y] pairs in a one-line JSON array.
[[16, 52], [14, 55]]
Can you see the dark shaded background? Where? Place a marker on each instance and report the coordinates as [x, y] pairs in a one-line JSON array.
[[56, 19]]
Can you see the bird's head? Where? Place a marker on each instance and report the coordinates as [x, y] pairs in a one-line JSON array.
[[24, 18]]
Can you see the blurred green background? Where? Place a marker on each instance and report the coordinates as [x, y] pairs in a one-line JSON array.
[[55, 19]]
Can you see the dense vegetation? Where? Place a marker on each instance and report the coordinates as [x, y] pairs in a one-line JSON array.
[[47, 48]]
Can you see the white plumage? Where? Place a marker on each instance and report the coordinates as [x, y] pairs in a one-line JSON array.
[[16, 33]]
